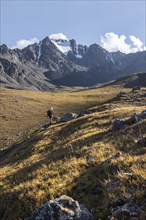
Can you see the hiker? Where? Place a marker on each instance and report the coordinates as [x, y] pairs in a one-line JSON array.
[[50, 114]]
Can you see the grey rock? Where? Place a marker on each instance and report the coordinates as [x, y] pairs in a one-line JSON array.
[[118, 124], [83, 113], [57, 119], [128, 211], [120, 94], [136, 118], [136, 88], [68, 117], [62, 208]]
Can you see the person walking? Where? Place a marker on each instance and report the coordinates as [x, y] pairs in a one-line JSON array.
[[50, 114]]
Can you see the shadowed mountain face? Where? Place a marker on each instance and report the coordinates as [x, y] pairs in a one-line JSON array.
[[45, 65], [131, 81]]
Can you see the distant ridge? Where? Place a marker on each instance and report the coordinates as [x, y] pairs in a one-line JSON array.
[[52, 63], [132, 80]]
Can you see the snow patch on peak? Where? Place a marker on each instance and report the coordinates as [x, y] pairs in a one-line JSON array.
[[63, 47], [61, 42], [58, 37]]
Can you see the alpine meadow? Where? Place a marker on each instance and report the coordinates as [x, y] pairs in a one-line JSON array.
[[72, 112]]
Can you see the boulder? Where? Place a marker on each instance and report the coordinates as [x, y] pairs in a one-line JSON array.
[[62, 208], [136, 88], [83, 113], [128, 211], [136, 118], [121, 93], [57, 119], [68, 117], [118, 124]]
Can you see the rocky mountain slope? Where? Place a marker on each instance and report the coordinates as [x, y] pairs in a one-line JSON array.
[[97, 159], [53, 62], [131, 81]]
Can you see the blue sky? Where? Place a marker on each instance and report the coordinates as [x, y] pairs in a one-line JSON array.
[[85, 21]]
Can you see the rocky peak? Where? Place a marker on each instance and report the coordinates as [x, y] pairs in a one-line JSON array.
[[73, 45], [82, 50], [95, 49], [4, 49], [96, 55], [78, 50]]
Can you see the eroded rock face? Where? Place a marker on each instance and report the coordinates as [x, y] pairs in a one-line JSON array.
[[62, 208]]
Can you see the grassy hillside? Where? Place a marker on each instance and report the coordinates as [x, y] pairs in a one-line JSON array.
[[22, 112], [75, 158]]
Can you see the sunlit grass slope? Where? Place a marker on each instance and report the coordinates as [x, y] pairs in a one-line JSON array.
[[22, 111], [70, 158]]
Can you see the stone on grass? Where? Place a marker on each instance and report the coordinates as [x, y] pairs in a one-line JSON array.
[[118, 124], [83, 113], [62, 208], [68, 117], [128, 211]]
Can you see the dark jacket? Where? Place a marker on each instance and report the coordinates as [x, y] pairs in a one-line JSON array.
[[50, 113]]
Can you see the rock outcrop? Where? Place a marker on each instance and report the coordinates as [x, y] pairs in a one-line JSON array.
[[119, 124], [62, 208]]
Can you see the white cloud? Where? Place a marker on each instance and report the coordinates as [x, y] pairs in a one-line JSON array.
[[136, 42], [24, 43], [112, 42]]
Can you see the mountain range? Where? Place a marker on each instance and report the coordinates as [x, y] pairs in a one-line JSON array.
[[57, 61]]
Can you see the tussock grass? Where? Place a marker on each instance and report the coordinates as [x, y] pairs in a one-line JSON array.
[[69, 158]]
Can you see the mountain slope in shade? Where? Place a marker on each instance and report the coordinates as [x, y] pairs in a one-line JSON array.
[[57, 61], [132, 80]]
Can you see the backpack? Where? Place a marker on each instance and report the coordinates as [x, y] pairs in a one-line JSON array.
[[50, 113]]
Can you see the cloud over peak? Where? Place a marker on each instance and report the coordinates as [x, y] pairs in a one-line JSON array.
[[24, 43], [112, 43]]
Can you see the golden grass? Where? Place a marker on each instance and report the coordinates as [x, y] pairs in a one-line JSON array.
[[68, 158], [22, 112]]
